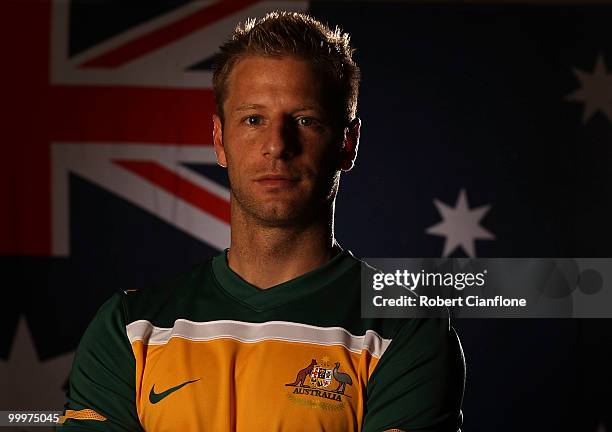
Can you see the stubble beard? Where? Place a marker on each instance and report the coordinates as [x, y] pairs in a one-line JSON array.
[[299, 212]]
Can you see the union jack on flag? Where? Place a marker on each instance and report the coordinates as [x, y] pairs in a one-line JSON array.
[[109, 177], [130, 113]]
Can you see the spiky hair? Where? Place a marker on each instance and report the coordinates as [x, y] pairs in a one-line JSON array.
[[280, 34]]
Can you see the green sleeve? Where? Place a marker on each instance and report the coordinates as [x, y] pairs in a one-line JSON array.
[[418, 384], [103, 374]]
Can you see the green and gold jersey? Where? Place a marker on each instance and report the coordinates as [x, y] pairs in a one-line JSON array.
[[211, 352]]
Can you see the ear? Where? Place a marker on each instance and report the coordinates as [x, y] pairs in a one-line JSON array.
[[218, 141], [350, 144]]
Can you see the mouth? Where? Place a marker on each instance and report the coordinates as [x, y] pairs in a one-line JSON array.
[[276, 180]]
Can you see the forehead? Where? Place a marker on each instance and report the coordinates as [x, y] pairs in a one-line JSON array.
[[283, 79]]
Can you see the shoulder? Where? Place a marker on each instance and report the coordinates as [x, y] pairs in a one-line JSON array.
[[422, 338], [108, 324], [418, 383], [158, 302]]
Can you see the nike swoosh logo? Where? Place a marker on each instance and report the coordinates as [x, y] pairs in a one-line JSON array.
[[156, 397]]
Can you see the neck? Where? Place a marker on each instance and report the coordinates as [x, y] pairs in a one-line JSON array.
[[266, 256]]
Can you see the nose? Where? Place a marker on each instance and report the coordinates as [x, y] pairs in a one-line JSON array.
[[281, 141]]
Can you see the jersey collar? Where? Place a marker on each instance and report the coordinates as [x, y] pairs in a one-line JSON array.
[[262, 299]]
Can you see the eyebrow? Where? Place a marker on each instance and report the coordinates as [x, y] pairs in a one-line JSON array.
[[306, 108], [246, 107]]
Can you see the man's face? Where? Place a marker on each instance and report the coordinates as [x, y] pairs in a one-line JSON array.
[[279, 142]]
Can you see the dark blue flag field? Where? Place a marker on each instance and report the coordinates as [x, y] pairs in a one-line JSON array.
[[486, 132]]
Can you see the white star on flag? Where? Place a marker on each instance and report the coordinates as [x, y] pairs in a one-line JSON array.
[[27, 382], [595, 91], [460, 225]]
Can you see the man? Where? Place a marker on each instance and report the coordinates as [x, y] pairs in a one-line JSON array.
[[268, 335]]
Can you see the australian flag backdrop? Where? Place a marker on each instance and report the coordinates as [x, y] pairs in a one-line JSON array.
[[487, 132]]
